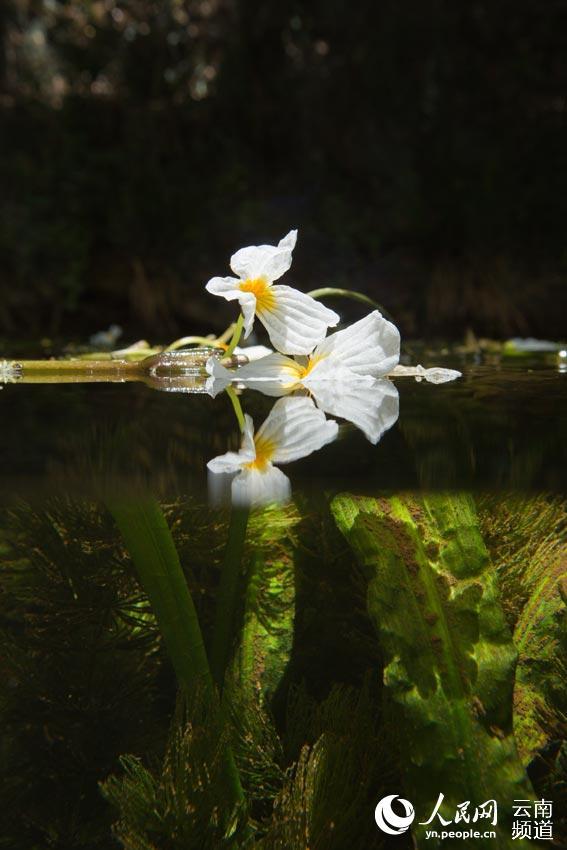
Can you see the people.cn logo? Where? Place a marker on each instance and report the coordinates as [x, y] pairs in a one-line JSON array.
[[386, 818]]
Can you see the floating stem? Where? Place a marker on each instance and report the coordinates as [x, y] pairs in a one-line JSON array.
[[195, 340]]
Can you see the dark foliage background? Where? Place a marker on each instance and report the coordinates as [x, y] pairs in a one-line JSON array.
[[419, 146]]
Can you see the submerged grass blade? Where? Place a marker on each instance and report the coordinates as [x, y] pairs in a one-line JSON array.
[[151, 547], [449, 655]]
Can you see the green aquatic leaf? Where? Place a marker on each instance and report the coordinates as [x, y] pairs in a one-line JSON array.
[[269, 602], [449, 655], [151, 547]]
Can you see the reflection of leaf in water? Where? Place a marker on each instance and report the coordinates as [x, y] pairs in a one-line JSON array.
[[527, 536], [450, 659]]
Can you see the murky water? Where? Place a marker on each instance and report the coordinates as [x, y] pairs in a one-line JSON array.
[[396, 629]]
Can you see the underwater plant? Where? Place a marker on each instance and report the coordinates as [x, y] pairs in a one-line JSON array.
[[316, 652]]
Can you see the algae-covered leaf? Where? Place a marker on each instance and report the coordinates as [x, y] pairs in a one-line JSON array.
[[269, 611], [449, 654], [527, 539]]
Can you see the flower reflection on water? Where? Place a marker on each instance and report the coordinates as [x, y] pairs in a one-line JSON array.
[[294, 429]]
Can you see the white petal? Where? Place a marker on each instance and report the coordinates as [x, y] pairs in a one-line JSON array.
[[274, 375], [219, 377], [288, 241], [253, 352], [269, 261], [255, 488], [370, 404], [228, 462], [296, 428], [226, 287], [368, 347], [234, 461], [248, 306], [296, 323], [229, 288]]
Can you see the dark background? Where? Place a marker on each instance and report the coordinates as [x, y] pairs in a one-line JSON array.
[[418, 145]]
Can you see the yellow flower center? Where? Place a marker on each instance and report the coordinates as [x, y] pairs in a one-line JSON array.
[[303, 371], [264, 452], [259, 286]]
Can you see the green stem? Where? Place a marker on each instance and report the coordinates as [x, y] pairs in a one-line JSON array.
[[333, 292], [228, 594], [212, 342], [235, 336], [237, 407]]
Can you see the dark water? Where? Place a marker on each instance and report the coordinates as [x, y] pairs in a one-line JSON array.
[[332, 658], [499, 427]]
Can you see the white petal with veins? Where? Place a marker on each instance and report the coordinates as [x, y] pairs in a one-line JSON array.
[[296, 428], [370, 346], [296, 323], [226, 287], [273, 375], [369, 403], [269, 261]]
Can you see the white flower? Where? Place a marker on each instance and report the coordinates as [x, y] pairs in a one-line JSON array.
[[295, 322], [344, 375], [293, 429]]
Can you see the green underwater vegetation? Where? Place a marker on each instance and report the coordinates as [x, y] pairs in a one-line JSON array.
[[179, 676], [252, 669]]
